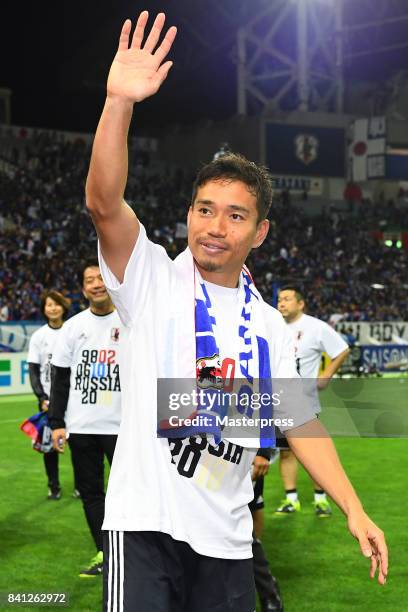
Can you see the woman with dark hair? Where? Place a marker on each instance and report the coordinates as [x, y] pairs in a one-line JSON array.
[[54, 307]]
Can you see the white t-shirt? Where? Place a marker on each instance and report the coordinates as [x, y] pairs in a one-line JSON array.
[[40, 351], [312, 337], [89, 344], [194, 491]]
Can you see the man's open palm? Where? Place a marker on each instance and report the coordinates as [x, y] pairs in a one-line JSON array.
[[138, 71]]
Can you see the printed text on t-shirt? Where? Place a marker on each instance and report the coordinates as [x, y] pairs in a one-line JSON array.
[[97, 371]]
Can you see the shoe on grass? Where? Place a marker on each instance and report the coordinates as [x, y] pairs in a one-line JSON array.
[[322, 509], [54, 494], [288, 506], [76, 494], [95, 567], [271, 605]]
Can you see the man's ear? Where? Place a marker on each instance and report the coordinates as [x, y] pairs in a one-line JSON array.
[[190, 212], [261, 233]]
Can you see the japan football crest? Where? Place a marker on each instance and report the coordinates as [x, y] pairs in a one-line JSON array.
[[208, 370], [115, 334], [307, 148]]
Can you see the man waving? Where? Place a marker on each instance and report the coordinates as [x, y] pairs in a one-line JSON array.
[[180, 539]]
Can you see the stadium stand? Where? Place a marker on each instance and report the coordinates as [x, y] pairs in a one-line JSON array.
[[46, 233]]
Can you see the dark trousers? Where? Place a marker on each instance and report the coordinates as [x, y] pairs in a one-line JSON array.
[[51, 469], [88, 452], [149, 571], [266, 584]]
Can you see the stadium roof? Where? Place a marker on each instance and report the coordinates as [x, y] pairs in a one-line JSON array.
[[61, 75]]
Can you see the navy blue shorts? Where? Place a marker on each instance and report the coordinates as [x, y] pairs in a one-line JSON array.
[[149, 571]]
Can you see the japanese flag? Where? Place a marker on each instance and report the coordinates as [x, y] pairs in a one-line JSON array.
[[367, 149]]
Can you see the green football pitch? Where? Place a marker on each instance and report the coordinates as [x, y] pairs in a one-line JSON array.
[[43, 544]]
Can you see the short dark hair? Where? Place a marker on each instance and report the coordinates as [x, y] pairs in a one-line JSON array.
[[298, 291], [236, 167], [89, 263], [59, 298]]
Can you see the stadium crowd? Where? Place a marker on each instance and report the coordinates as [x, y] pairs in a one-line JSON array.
[[46, 234]]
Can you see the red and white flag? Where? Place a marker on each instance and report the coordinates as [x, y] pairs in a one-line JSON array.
[[367, 149]]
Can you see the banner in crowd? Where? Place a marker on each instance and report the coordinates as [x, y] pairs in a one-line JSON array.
[[367, 149], [386, 358], [397, 164], [14, 376], [138, 143], [298, 184], [384, 332], [301, 150], [15, 337]]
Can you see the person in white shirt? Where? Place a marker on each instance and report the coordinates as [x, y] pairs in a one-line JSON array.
[[85, 402], [54, 307], [178, 526], [312, 338], [4, 313]]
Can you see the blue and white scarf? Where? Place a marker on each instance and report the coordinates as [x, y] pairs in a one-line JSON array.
[[252, 373], [253, 352]]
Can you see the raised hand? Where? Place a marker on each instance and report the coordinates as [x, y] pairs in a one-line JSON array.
[[137, 72]]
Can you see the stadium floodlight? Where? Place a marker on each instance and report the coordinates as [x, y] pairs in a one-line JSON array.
[[388, 243], [290, 55], [377, 286], [398, 244]]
